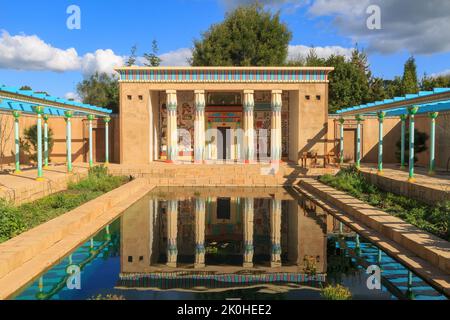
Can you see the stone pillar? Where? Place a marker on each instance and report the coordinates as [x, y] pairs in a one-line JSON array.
[[199, 233], [248, 232], [358, 140], [411, 111], [275, 232], [403, 118], [432, 116], [275, 137], [46, 150], [68, 116], [381, 115], [172, 133], [341, 140], [90, 118], [172, 231], [40, 111], [249, 138], [106, 120], [199, 126], [16, 115]]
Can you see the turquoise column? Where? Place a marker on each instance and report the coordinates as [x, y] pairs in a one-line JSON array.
[[403, 118], [411, 111], [358, 140], [106, 120], [90, 118], [432, 116], [381, 115], [16, 115], [68, 115], [39, 110], [341, 144], [46, 150]]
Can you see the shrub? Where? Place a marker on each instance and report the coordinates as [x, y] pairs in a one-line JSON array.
[[29, 143], [11, 223], [337, 292]]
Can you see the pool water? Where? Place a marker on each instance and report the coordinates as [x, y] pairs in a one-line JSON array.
[[227, 243]]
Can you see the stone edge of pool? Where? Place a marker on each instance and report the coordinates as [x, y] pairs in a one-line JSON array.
[[29, 254], [422, 252]]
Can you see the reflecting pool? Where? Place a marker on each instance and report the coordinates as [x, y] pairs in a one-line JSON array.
[[224, 243]]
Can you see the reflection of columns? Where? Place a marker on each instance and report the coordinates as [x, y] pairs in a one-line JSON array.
[[248, 232], [411, 111], [199, 233], [402, 143], [275, 232], [381, 115], [172, 134], [358, 140], [275, 138], [341, 141], [249, 143], [199, 126], [68, 116], [172, 230], [432, 116], [16, 115]]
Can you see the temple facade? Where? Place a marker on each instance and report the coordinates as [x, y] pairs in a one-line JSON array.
[[237, 114]]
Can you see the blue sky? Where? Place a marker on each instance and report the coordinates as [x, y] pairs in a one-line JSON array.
[[36, 46]]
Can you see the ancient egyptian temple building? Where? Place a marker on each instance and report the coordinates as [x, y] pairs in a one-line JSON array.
[[200, 114]]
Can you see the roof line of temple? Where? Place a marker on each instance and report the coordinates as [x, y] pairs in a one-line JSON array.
[[224, 74]]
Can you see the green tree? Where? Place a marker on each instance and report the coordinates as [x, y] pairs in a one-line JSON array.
[[409, 80], [249, 36], [152, 58], [429, 83], [26, 88], [132, 58], [29, 141], [100, 90], [377, 89], [393, 87]]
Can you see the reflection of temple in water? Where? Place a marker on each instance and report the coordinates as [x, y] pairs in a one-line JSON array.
[[227, 233]]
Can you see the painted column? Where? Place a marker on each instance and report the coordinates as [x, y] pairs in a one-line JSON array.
[[90, 118], [381, 115], [432, 116], [403, 118], [68, 116], [199, 126], [411, 111], [358, 140], [16, 115], [39, 110], [107, 120], [248, 232], [341, 143], [275, 138], [199, 233], [172, 231], [172, 133], [46, 150], [249, 137], [275, 232]]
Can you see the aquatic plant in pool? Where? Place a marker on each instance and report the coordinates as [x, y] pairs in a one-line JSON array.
[[217, 244]]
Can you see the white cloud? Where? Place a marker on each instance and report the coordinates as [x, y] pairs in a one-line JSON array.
[[296, 51], [23, 52], [177, 57], [72, 96]]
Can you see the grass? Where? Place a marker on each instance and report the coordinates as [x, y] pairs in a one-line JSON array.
[[17, 219], [337, 292], [432, 218]]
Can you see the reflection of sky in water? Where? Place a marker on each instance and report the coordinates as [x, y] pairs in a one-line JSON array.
[[234, 231]]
